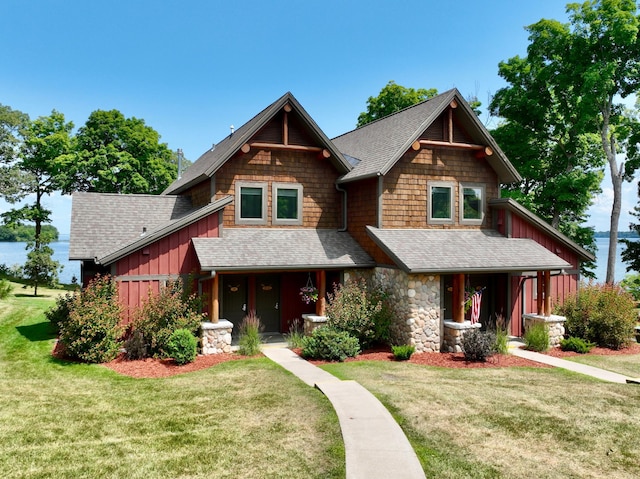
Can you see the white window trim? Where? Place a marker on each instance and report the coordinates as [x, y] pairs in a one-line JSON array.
[[483, 190], [274, 203], [452, 186], [251, 184]]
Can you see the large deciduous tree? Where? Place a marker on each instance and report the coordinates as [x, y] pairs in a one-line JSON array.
[[392, 98], [567, 89], [115, 154]]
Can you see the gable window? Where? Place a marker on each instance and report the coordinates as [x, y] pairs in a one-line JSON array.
[[441, 202], [287, 203], [472, 204], [251, 203]]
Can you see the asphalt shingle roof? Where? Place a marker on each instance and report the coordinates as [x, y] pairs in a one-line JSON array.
[[449, 251], [267, 248]]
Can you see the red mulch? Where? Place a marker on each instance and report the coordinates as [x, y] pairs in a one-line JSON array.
[[156, 368]]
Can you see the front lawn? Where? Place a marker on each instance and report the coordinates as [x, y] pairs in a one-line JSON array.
[[626, 364], [241, 419], [508, 422]]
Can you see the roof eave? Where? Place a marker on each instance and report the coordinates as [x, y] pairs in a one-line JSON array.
[[295, 267]]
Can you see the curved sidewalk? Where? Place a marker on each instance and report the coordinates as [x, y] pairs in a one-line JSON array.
[[375, 445], [602, 374]]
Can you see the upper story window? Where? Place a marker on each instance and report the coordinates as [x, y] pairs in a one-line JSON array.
[[441, 202], [251, 203], [472, 204], [287, 203]]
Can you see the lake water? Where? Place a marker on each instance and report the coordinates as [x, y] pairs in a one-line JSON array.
[[15, 253]]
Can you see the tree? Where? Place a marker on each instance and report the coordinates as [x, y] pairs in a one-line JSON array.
[[567, 86], [393, 98], [115, 154], [37, 164], [12, 122]]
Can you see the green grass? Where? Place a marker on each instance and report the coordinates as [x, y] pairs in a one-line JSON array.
[[508, 422], [241, 419], [627, 364]]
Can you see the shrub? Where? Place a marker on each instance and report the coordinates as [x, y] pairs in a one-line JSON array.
[[249, 341], [330, 344], [92, 331], [536, 337], [501, 345], [578, 345], [295, 334], [631, 284], [58, 315], [602, 314], [163, 313], [361, 311], [5, 289], [182, 346], [477, 345], [135, 346], [403, 352]]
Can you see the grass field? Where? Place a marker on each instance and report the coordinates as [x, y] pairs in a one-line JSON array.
[[628, 365], [242, 419], [508, 422]]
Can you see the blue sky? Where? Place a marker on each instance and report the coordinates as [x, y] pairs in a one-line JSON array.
[[191, 69]]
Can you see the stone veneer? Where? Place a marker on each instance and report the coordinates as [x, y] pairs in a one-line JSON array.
[[453, 334], [311, 322], [555, 326], [415, 299], [216, 337]]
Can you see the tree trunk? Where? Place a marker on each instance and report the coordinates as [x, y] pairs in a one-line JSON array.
[[608, 143]]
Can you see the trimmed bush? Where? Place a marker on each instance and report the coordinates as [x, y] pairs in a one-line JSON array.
[[58, 315], [182, 346], [578, 345], [330, 344], [478, 345], [361, 311], [92, 330], [165, 312], [536, 338], [402, 352], [602, 314], [5, 289], [250, 341]]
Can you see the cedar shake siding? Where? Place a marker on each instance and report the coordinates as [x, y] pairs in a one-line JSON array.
[[405, 194], [322, 202], [200, 194]]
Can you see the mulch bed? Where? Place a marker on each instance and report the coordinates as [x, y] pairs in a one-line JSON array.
[[158, 368]]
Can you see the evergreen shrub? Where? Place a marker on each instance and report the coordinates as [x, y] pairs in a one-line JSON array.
[[330, 344], [182, 346]]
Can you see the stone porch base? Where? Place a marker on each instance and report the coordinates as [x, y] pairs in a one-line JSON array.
[[216, 337]]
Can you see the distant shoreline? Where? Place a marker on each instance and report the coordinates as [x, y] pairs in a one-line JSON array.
[[621, 234]]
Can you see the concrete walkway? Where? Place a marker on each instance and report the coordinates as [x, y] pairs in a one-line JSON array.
[[514, 348], [375, 446]]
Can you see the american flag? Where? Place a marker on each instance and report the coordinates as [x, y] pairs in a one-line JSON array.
[[476, 300]]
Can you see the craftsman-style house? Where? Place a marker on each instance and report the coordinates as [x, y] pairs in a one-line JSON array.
[[411, 202]]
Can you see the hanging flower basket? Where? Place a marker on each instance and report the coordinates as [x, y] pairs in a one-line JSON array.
[[309, 294]]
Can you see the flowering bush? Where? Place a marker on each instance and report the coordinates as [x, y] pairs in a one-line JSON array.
[[309, 294]]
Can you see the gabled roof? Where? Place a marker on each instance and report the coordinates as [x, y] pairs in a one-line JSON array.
[[101, 222], [463, 251], [245, 249], [213, 159], [380, 144], [513, 205]]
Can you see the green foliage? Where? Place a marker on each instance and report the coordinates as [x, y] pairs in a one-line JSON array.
[[329, 344], [164, 312], [631, 284], [26, 233], [602, 314], [5, 289], [58, 315], [41, 269], [295, 334], [182, 346], [93, 330], [478, 345], [115, 154], [403, 352], [393, 98], [135, 346], [536, 337], [578, 345], [501, 345], [361, 311], [250, 329]]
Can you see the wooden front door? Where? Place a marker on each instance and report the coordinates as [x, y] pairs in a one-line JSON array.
[[268, 302], [234, 299]]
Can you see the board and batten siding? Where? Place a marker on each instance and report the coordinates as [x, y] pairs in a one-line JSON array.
[[146, 269]]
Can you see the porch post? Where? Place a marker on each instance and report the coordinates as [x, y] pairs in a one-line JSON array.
[[540, 293], [458, 298], [321, 278], [215, 299], [547, 293]]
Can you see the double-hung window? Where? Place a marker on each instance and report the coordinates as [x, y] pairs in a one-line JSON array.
[[441, 205], [251, 203], [287, 203]]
